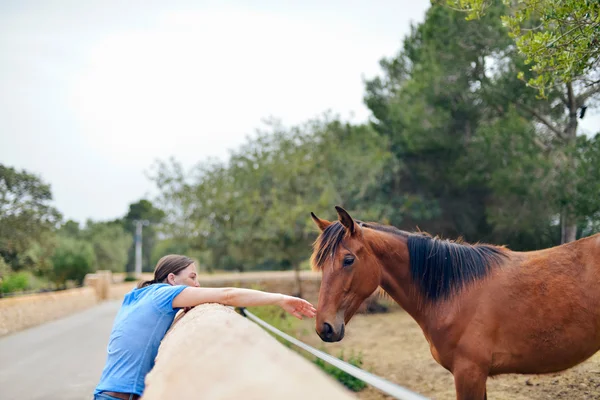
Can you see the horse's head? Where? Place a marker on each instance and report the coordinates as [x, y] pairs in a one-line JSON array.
[[350, 273]]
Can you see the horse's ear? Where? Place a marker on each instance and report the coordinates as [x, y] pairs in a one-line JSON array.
[[346, 219], [321, 223]]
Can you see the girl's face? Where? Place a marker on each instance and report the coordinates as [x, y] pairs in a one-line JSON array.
[[187, 276]]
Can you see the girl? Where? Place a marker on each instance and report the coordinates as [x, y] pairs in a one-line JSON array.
[[148, 311]]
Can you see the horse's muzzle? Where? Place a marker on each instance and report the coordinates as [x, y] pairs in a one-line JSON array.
[[328, 334]]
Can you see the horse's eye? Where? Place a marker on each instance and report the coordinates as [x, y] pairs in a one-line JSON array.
[[348, 261]]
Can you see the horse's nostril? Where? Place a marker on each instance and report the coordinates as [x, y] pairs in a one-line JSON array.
[[327, 330]]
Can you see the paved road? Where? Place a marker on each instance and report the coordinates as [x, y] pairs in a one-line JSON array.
[[59, 360]]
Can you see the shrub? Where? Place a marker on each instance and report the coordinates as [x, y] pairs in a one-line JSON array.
[[352, 383], [15, 282], [72, 260]]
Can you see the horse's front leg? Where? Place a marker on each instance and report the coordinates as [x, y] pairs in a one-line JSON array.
[[470, 381]]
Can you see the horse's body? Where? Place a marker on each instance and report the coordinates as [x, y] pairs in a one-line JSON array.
[[485, 310]]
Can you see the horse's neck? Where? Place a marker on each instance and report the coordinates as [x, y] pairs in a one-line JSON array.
[[392, 253]]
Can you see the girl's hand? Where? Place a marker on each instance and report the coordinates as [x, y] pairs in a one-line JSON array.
[[297, 307]]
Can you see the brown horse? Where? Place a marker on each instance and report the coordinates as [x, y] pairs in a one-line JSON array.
[[485, 310]]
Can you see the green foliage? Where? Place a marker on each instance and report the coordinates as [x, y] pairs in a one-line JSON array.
[[429, 103], [110, 242], [587, 176], [254, 209], [16, 282], [480, 155], [456, 146], [559, 38], [26, 218], [505, 158], [352, 383], [23, 281], [70, 228], [72, 260]]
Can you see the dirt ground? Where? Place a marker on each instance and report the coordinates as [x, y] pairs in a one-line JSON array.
[[394, 347]]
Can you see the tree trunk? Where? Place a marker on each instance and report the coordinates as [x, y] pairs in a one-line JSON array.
[[568, 227], [568, 219]]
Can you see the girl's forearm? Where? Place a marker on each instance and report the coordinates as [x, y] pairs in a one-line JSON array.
[[239, 297]]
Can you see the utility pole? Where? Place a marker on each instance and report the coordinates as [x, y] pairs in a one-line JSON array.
[[138, 245]]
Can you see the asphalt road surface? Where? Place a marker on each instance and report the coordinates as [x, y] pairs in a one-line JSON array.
[[60, 360]]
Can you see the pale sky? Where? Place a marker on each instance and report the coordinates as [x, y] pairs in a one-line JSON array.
[[93, 92]]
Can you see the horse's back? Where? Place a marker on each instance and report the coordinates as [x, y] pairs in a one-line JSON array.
[[544, 308]]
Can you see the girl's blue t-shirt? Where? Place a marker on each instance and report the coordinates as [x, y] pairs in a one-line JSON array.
[[143, 320]]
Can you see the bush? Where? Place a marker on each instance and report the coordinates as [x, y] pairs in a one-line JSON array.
[[72, 260], [130, 278], [16, 282], [352, 383]]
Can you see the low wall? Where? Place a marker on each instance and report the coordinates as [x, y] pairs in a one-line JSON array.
[[22, 312], [214, 353], [18, 313]]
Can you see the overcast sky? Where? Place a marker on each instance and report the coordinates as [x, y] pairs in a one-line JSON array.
[[93, 92]]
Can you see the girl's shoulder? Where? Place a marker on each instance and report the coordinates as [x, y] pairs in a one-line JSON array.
[[137, 294]]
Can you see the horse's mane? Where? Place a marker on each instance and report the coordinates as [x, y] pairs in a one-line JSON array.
[[440, 268]]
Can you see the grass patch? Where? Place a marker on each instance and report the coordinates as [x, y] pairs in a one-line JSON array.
[[352, 383], [24, 281]]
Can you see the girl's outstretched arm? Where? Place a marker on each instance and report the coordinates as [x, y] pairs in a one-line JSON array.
[[238, 297]]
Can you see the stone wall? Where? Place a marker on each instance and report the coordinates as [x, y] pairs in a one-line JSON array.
[[22, 312], [18, 313]]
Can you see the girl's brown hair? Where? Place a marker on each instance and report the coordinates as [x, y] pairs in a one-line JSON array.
[[171, 264]]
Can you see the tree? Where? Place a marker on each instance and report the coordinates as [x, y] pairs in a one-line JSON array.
[[429, 103], [253, 210], [70, 228], [27, 217], [465, 133], [110, 243], [587, 201], [560, 38], [72, 260], [312, 167]]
